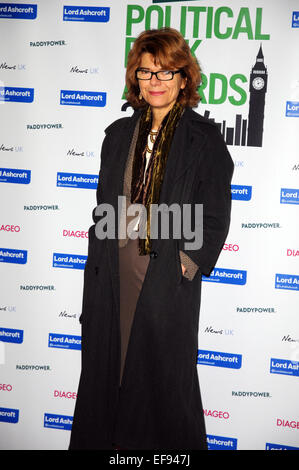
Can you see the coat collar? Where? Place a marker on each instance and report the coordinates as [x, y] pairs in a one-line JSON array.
[[186, 145], [188, 140]]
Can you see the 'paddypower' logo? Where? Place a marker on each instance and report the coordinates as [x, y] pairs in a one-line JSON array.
[[94, 14]]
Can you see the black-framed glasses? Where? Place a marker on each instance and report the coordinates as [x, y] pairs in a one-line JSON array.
[[163, 75]]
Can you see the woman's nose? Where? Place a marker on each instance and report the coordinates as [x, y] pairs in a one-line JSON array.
[[154, 80]]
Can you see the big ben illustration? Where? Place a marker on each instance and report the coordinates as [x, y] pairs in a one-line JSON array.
[[257, 89]]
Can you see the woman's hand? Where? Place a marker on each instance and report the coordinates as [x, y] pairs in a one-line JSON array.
[[183, 269]]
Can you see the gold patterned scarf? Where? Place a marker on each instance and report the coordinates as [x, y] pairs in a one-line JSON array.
[[147, 192]]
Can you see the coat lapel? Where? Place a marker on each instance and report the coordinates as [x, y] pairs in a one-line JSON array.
[[185, 149]]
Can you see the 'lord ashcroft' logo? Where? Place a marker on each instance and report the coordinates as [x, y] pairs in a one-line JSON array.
[[58, 421], [292, 109], [10, 255], [221, 442], [219, 359], [295, 19], [86, 13], [22, 95], [289, 196], [77, 180], [18, 11], [284, 366], [227, 276], [57, 340], [82, 98], [9, 415], [240, 192], [270, 446], [9, 335], [69, 261], [14, 175], [287, 281]]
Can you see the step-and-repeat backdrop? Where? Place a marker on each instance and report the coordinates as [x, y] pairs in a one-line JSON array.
[[62, 69]]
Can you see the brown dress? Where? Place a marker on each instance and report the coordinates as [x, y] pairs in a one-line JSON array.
[[132, 269]]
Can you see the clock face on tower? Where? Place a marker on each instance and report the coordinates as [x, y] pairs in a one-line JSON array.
[[258, 83]]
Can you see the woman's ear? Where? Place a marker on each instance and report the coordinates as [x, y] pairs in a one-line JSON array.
[[184, 83]]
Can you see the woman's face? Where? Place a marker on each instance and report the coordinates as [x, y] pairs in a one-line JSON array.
[[160, 95]]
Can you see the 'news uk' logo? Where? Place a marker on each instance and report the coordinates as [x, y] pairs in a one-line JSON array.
[[57, 340], [13, 175], [8, 335], [219, 359], [241, 193], [82, 98], [65, 260], [22, 95], [295, 19], [77, 180], [220, 442], [227, 276], [292, 109], [23, 11], [58, 421], [289, 196], [284, 366], [9, 415], [94, 14]]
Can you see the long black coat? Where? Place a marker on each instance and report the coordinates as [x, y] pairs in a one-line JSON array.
[[159, 403]]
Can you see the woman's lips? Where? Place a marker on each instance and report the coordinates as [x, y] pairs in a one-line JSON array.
[[156, 93]]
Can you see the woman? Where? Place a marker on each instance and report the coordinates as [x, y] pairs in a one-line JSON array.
[[139, 385]]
